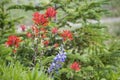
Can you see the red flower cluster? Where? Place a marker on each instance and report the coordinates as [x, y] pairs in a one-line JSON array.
[[75, 66], [43, 30], [50, 12], [46, 42], [54, 30], [29, 35], [66, 34], [42, 19], [13, 41], [39, 19]]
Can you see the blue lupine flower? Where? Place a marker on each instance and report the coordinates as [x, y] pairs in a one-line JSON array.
[[59, 58]]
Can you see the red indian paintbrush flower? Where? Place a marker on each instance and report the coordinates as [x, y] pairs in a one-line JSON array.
[[35, 30], [29, 35], [13, 41], [50, 12], [39, 19], [54, 30], [43, 30], [66, 34], [46, 42], [75, 66], [23, 27], [56, 45]]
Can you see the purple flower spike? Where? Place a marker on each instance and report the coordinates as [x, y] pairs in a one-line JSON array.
[[59, 58]]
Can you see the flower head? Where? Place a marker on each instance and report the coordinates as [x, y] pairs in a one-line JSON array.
[[46, 42], [29, 35], [50, 12], [58, 59], [43, 30], [40, 19], [54, 30], [13, 41], [66, 34], [75, 66]]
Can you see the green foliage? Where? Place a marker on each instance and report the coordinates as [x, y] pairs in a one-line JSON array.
[[18, 72], [5, 54], [95, 65], [114, 9], [82, 10], [11, 71], [98, 60], [7, 24]]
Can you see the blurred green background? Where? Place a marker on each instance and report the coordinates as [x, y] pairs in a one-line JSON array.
[[112, 19]]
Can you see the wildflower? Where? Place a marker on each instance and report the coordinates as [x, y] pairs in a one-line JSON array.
[[75, 66], [50, 12], [23, 27], [46, 42], [58, 59], [35, 30], [54, 30], [66, 34], [39, 19], [56, 45], [29, 35], [13, 41], [43, 30], [43, 36]]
